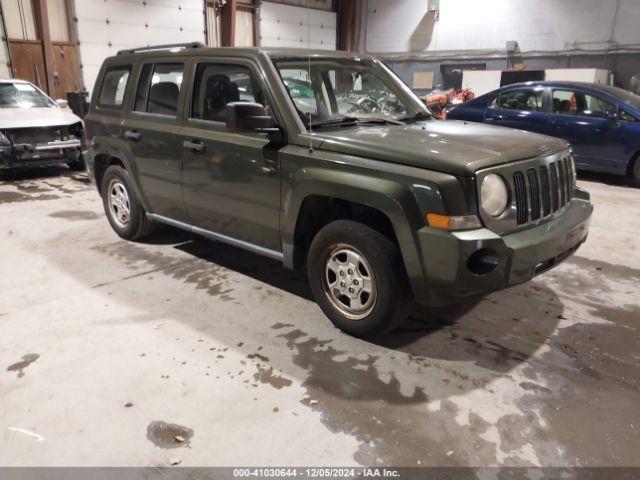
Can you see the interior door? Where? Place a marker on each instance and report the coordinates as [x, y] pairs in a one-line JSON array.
[[151, 130], [520, 108], [231, 181], [66, 76], [27, 62]]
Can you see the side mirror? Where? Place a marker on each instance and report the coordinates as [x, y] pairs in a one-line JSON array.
[[249, 117], [62, 103]]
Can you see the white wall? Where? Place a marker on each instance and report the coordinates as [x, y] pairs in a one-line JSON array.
[[298, 27], [5, 72], [19, 19], [132, 24], [404, 26]]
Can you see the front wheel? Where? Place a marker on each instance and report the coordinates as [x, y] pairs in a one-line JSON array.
[[76, 165], [357, 278]]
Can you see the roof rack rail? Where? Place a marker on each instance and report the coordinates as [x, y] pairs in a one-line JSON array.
[[169, 46]]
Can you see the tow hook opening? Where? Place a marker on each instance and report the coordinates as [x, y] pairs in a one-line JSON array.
[[482, 262]]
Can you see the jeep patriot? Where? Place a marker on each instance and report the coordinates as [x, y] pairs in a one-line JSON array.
[[327, 162]]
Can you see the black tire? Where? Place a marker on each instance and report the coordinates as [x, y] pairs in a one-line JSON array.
[[635, 173], [76, 165], [138, 225], [391, 303]]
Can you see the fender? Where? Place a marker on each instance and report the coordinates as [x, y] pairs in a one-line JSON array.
[[393, 197], [103, 141]]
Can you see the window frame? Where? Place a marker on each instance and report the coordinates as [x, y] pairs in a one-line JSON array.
[[536, 89], [115, 108], [583, 92], [255, 71], [159, 61]]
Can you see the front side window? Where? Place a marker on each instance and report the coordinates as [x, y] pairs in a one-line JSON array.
[[568, 102], [159, 88], [326, 89], [113, 87], [525, 100], [218, 84]]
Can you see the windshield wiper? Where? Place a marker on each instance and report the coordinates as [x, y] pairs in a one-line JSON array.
[[417, 116], [349, 120]]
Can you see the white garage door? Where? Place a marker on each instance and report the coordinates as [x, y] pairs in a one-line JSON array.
[[106, 26], [288, 26]]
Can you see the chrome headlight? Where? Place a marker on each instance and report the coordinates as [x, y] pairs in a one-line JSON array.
[[494, 195]]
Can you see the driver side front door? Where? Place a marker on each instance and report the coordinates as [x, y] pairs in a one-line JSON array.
[[231, 180]]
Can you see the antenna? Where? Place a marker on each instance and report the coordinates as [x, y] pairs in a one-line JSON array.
[[310, 80]]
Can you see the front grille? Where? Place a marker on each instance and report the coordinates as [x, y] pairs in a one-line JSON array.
[[521, 197], [36, 135], [543, 190], [532, 176]]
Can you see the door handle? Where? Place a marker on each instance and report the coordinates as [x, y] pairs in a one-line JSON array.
[[494, 118], [559, 123], [194, 145], [132, 135], [268, 169]]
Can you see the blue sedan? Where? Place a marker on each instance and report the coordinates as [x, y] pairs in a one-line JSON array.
[[602, 123]]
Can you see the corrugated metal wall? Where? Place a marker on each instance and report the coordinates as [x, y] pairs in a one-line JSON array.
[[106, 26]]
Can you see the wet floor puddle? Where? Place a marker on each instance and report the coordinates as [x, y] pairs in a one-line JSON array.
[[19, 367], [169, 435]]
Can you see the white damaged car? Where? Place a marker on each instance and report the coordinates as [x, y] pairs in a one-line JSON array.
[[35, 130]]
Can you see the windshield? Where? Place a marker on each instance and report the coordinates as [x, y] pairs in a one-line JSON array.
[[325, 90], [624, 95], [23, 95]]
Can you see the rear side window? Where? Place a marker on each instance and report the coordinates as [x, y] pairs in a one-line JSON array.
[[159, 88], [114, 84], [526, 100], [216, 85], [568, 102]]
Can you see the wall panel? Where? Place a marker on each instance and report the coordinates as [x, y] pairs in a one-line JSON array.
[[106, 26], [289, 26], [405, 25]]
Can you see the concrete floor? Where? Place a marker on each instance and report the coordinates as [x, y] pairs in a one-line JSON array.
[[227, 349]]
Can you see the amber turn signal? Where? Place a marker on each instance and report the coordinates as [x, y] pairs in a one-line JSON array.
[[459, 222]]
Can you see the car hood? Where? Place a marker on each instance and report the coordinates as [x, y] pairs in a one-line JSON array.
[[35, 117], [455, 147]]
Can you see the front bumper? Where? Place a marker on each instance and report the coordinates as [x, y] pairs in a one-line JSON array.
[[39, 154], [517, 257]]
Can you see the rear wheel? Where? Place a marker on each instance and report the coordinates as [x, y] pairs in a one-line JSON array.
[[357, 278], [122, 206]]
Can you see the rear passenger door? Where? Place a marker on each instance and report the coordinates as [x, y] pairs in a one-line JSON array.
[[151, 130], [231, 180], [520, 108]]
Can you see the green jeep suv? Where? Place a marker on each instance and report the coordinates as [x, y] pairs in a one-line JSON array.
[[327, 162]]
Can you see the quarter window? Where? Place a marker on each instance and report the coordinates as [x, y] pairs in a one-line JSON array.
[[568, 102], [527, 100], [626, 116], [298, 83], [216, 85], [159, 88], [113, 87]]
